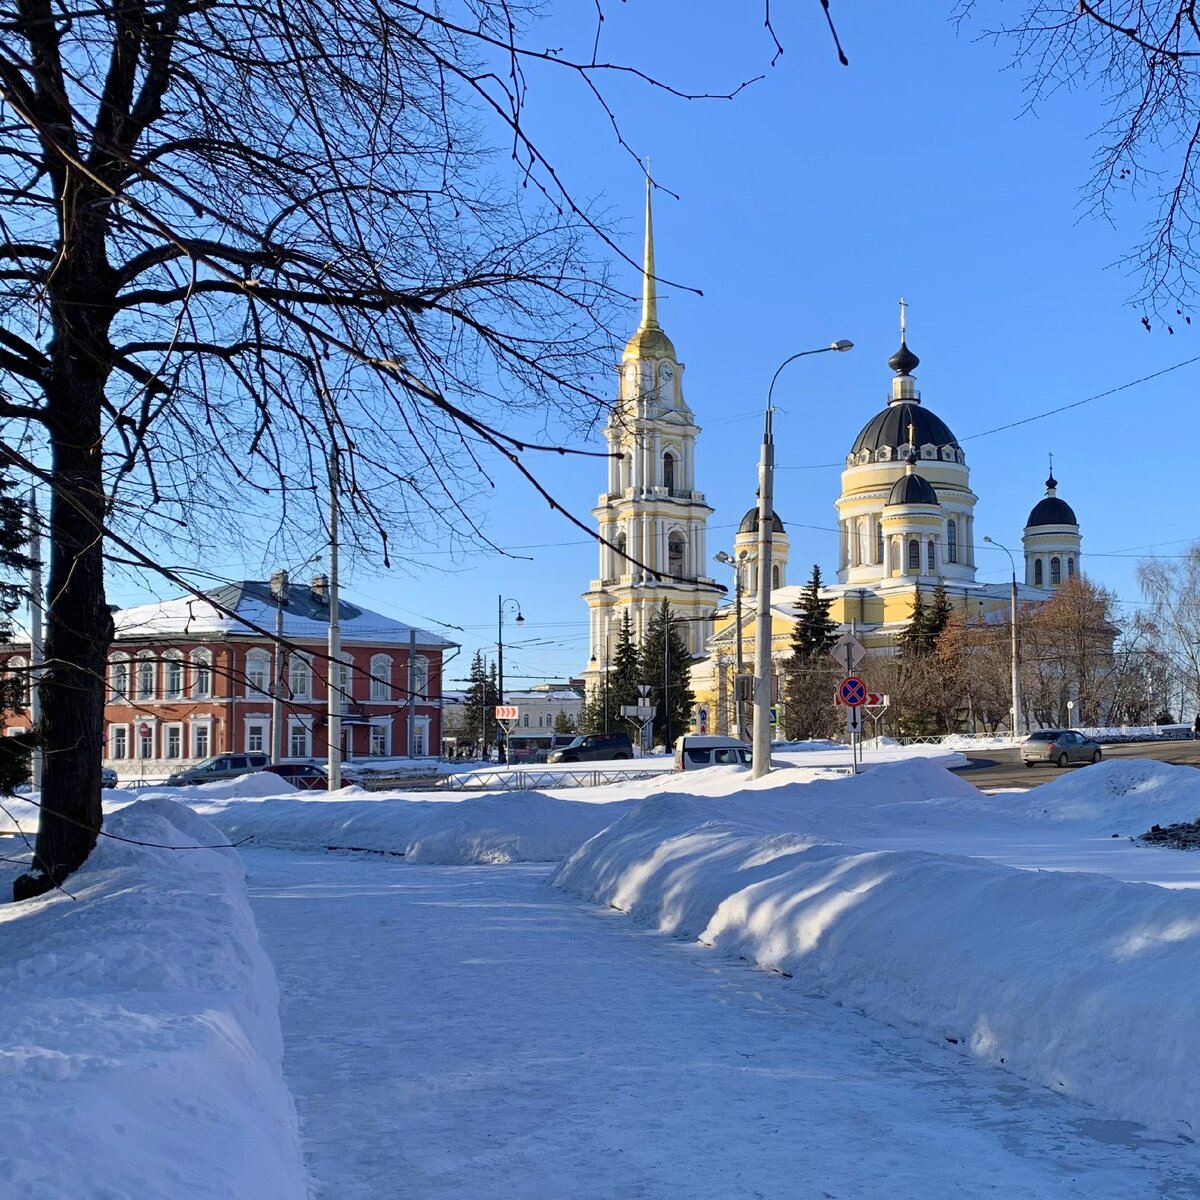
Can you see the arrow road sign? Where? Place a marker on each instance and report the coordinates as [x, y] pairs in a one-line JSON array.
[[507, 712], [854, 719], [853, 691], [848, 652]]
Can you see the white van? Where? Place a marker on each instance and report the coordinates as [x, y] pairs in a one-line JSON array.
[[696, 750]]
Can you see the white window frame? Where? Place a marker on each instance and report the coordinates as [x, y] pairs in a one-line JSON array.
[[381, 677], [301, 726], [420, 675], [172, 730], [262, 723], [258, 658], [294, 665], [196, 728], [420, 738], [145, 659], [119, 693], [118, 736], [381, 732], [202, 674], [144, 746], [172, 663]]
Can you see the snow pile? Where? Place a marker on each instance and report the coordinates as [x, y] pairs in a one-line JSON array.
[[483, 828], [140, 1047], [1083, 983]]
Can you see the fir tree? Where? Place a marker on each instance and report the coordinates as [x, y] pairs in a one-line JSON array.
[[938, 617], [915, 638], [624, 671], [809, 675], [480, 700], [665, 664]]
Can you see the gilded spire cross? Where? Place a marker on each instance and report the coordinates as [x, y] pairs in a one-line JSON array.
[[903, 318], [649, 292]]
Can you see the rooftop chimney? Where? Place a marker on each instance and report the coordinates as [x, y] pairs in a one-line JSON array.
[[279, 586], [320, 588]]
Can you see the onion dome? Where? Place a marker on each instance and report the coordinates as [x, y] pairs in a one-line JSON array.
[[1051, 510], [750, 522], [898, 423], [904, 361], [912, 489]]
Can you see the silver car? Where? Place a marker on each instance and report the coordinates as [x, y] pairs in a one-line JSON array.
[[220, 766], [1059, 746]]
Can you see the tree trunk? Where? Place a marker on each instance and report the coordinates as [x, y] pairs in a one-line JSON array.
[[78, 623]]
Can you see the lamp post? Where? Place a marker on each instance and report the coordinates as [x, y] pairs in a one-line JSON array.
[[1016, 673], [604, 667], [762, 625], [739, 704], [500, 603]]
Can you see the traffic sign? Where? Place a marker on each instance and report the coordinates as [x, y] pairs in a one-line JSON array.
[[643, 690], [643, 712], [848, 652], [702, 718], [873, 700], [506, 712], [853, 691], [854, 719], [144, 729]]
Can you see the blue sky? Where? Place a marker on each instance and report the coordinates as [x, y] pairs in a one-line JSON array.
[[807, 206]]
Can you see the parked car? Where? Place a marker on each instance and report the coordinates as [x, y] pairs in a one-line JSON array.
[[108, 777], [591, 747], [220, 766], [695, 750], [309, 776], [1059, 746]]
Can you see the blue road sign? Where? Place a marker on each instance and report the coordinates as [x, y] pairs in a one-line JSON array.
[[852, 691]]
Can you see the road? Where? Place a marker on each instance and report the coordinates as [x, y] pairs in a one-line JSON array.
[[1004, 769]]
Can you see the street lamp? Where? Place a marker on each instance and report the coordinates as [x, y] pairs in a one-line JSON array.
[[739, 704], [500, 603], [1016, 673], [605, 668], [762, 626]]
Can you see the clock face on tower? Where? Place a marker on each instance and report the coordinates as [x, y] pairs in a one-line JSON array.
[[667, 373]]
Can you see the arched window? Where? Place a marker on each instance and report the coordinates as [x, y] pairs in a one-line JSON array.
[[932, 558], [774, 575], [951, 542], [299, 675], [879, 542], [18, 669], [914, 557], [173, 675], [119, 678], [420, 675], [1055, 572], [201, 674], [1037, 572], [1070, 568], [145, 676], [381, 677], [622, 561], [668, 464], [258, 673], [675, 546]]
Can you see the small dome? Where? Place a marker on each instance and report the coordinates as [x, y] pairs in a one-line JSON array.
[[750, 522], [912, 488], [891, 428], [649, 341], [1051, 511], [904, 361]]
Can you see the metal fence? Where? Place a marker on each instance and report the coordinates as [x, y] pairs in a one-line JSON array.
[[528, 780]]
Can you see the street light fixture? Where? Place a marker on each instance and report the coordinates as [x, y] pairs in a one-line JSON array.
[[500, 603], [762, 627], [739, 704], [1016, 673]]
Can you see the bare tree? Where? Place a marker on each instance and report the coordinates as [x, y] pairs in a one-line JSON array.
[[1144, 58], [237, 239], [1172, 589]]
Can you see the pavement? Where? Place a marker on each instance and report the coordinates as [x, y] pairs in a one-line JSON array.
[[1002, 768]]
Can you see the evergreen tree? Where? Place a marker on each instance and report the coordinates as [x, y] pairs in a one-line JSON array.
[[665, 664], [938, 617], [563, 723], [809, 675], [624, 672], [915, 638], [480, 701]]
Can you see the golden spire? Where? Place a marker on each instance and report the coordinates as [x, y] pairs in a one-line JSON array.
[[649, 294], [649, 341]]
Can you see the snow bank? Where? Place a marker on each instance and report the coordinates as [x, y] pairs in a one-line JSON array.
[[1082, 983], [487, 828], [140, 1048]]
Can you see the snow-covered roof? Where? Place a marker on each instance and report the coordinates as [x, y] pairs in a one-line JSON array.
[[245, 609]]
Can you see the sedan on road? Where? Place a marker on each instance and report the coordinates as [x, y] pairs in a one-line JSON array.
[[1059, 746]]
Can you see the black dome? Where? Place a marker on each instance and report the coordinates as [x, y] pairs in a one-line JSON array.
[[750, 522], [904, 361], [1052, 511], [912, 488], [890, 428]]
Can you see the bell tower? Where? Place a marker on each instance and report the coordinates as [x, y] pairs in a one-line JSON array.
[[651, 515]]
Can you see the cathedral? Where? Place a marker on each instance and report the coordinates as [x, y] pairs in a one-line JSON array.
[[906, 523]]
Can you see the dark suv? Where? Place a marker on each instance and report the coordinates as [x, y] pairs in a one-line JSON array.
[[220, 766], [589, 747]]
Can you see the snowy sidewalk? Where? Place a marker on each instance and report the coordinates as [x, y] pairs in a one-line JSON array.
[[470, 1033]]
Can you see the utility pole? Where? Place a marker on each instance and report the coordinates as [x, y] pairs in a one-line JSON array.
[[333, 690], [36, 600], [279, 589]]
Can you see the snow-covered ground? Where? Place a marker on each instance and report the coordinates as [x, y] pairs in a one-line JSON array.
[[145, 1008]]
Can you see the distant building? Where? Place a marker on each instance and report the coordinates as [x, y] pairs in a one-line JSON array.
[[192, 677]]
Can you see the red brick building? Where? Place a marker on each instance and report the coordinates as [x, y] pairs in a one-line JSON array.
[[188, 678]]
